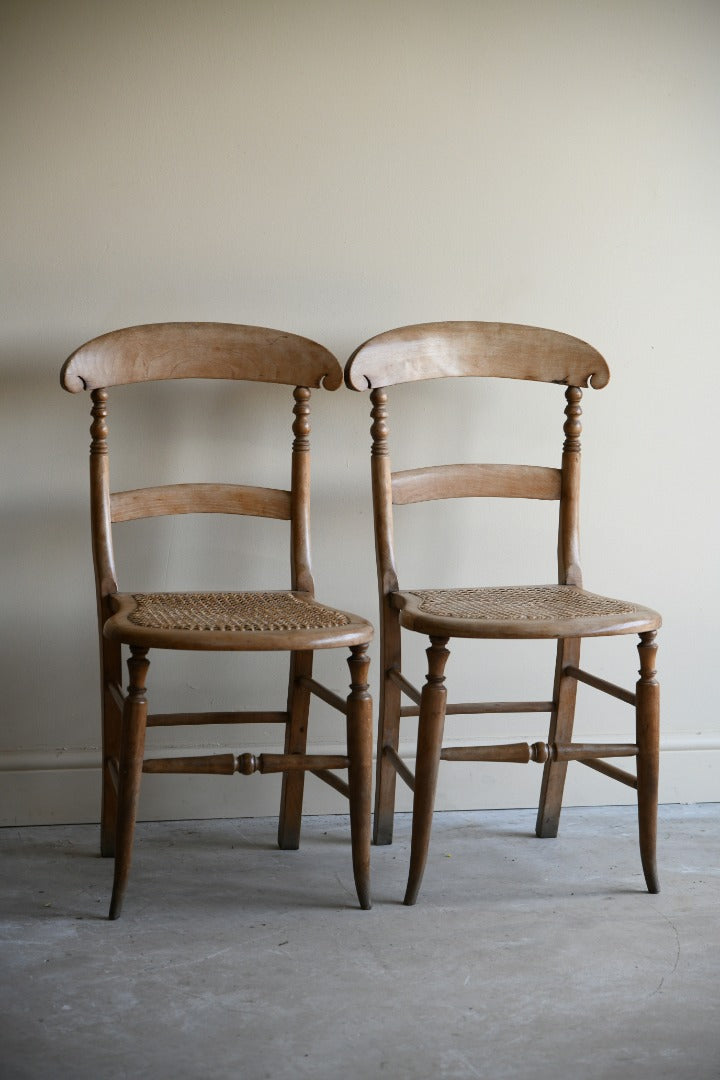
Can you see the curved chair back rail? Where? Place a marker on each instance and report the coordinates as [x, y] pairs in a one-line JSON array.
[[199, 351], [475, 481], [173, 499], [445, 349]]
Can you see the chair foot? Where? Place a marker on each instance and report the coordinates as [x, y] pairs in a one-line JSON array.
[[116, 902], [107, 845], [546, 830], [411, 891], [651, 879], [383, 835]]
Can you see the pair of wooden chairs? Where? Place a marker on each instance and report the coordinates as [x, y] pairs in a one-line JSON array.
[[294, 621]]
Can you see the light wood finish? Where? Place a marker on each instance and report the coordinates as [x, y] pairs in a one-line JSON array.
[[477, 708], [570, 612], [322, 692], [400, 767], [199, 351], [288, 619], [333, 781], [565, 612], [308, 634], [601, 684], [612, 771], [475, 481], [200, 499], [446, 349]]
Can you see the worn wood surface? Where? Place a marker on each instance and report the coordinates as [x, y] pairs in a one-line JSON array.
[[446, 349], [199, 351], [174, 499], [194, 350], [437, 350], [475, 481]]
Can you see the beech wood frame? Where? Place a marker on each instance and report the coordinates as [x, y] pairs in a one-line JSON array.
[[441, 350], [211, 350]]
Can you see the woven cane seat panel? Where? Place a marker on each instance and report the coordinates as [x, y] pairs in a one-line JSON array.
[[512, 603], [246, 612]]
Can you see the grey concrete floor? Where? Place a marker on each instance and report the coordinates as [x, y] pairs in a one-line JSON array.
[[523, 959]]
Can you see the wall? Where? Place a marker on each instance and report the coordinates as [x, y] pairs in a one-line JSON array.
[[336, 169]]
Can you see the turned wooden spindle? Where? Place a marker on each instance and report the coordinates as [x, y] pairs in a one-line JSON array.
[[573, 425], [300, 565], [246, 764], [647, 716], [301, 424], [99, 428], [379, 429], [100, 497]]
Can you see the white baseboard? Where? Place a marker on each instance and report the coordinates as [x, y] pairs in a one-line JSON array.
[[63, 786]]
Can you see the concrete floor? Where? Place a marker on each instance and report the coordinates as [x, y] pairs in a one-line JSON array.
[[523, 959]]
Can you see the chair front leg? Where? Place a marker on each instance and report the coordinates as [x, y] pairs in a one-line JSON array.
[[430, 734], [648, 762], [359, 748], [132, 748], [561, 729], [388, 728], [293, 783]]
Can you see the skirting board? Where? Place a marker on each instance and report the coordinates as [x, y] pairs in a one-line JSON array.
[[62, 787]]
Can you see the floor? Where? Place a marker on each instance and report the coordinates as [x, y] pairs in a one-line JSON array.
[[523, 959]]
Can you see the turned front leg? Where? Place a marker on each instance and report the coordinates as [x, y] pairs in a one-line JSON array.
[[430, 734]]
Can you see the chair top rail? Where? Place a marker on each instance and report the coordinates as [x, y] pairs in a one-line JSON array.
[[446, 349], [199, 350]]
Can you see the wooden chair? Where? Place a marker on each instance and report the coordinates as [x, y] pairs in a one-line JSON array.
[[565, 611], [290, 620]]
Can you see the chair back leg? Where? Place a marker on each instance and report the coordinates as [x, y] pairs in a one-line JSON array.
[[110, 673], [647, 714], [132, 749], [561, 728], [293, 783], [388, 729]]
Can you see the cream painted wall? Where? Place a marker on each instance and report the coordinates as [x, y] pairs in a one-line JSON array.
[[336, 169]]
